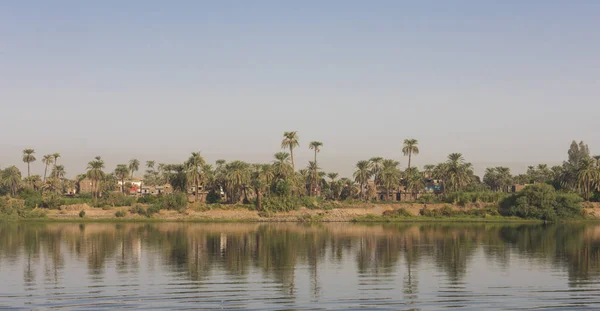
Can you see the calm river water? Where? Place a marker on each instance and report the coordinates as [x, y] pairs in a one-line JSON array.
[[299, 267]]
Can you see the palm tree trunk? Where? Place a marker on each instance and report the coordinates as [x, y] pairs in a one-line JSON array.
[[258, 200], [197, 190], [292, 156], [409, 156], [45, 171], [28, 172]]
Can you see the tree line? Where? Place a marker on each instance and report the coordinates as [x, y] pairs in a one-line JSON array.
[[374, 178]]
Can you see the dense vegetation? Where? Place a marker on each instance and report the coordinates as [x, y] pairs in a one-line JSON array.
[[278, 186]]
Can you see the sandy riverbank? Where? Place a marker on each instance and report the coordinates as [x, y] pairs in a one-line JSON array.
[[342, 214]]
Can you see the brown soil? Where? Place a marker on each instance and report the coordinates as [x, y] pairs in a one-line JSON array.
[[243, 214], [342, 214]]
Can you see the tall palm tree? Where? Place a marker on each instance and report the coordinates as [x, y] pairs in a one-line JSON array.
[[28, 157], [47, 160], [11, 178], [95, 173], [56, 156], [316, 146], [410, 148], [134, 165], [122, 172], [193, 167], [290, 140], [313, 176], [362, 174]]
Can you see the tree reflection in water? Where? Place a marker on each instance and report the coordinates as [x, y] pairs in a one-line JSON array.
[[276, 250]]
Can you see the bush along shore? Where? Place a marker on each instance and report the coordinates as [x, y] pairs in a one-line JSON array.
[[538, 202], [379, 189]]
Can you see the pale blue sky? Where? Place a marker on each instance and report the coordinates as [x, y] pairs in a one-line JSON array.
[[504, 82]]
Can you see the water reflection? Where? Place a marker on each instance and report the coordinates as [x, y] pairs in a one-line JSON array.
[[249, 266]]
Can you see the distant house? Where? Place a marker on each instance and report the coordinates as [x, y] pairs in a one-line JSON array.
[[434, 186], [518, 187], [134, 184], [156, 190], [86, 186]]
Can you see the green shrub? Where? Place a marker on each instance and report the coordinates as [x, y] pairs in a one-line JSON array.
[[13, 209], [51, 200], [280, 204], [464, 198], [116, 198], [282, 188], [401, 212], [84, 196], [138, 209], [541, 201], [213, 197], [120, 213], [428, 198], [31, 197], [175, 202], [446, 211], [36, 213], [147, 199], [82, 214], [152, 209]]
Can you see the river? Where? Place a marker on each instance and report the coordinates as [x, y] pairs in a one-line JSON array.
[[339, 266]]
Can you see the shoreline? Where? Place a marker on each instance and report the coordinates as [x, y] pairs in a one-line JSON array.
[[356, 213]]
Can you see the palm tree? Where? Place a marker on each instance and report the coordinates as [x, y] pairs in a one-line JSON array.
[[390, 176], [281, 165], [28, 157], [414, 182], [11, 178], [376, 165], [193, 167], [134, 165], [410, 148], [56, 156], [237, 178], [122, 172], [334, 184], [150, 164], [35, 181], [290, 140], [362, 174], [428, 170], [95, 173], [587, 177], [455, 172], [258, 180], [47, 160], [316, 146], [59, 172], [313, 176]]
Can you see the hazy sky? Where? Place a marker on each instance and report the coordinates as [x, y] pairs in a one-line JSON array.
[[504, 82]]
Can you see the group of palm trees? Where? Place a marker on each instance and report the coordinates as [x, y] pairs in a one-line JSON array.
[[373, 178], [12, 179]]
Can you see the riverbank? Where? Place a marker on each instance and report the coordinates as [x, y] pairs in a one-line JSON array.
[[363, 212]]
